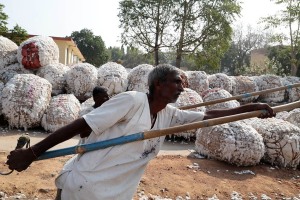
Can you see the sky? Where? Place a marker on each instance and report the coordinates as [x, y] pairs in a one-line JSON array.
[[61, 17]]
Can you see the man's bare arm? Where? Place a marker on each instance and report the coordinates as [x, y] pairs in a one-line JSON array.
[[241, 109], [20, 159]]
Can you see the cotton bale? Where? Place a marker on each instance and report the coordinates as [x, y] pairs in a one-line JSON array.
[[1, 88], [292, 116], [189, 97], [25, 98], [86, 106], [244, 84], [138, 78], [198, 81], [8, 52], [113, 76], [235, 143], [7, 73], [184, 77], [265, 82], [62, 110], [292, 93], [282, 141], [56, 75], [81, 80], [218, 93], [220, 80], [38, 51]]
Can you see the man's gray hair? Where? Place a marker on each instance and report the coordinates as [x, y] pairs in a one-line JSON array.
[[159, 73]]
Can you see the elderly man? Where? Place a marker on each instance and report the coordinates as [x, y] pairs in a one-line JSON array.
[[114, 172]]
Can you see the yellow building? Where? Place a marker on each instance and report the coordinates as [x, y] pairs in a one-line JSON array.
[[69, 53]]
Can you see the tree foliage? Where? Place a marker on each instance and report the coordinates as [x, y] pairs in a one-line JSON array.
[[17, 34], [146, 23], [92, 47], [288, 17]]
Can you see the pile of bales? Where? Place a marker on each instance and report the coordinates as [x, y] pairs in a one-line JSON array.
[[38, 91]]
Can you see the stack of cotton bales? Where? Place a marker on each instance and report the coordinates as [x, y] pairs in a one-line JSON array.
[[243, 85], [220, 80], [217, 93], [189, 97], [62, 110], [113, 76], [235, 143], [138, 78], [265, 82], [86, 106], [282, 141], [293, 93], [37, 52], [8, 52], [56, 75], [198, 81], [81, 80], [7, 73], [25, 98]]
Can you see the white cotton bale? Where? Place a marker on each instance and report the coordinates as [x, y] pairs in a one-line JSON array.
[[217, 93], [293, 116], [114, 77], [56, 75], [220, 80], [189, 97], [38, 51], [25, 98], [184, 77], [8, 52], [138, 78], [292, 93], [282, 141], [198, 81], [86, 106], [243, 85], [7, 73], [62, 110], [81, 80], [235, 143], [265, 82], [1, 88]]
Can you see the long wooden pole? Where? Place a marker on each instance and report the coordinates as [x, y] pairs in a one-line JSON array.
[[157, 133], [241, 96]]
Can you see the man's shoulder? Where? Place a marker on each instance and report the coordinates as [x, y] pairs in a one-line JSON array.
[[134, 95]]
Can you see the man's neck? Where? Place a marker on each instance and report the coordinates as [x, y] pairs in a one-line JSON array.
[[156, 104]]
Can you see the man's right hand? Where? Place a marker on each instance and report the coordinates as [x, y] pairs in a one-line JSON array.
[[20, 159]]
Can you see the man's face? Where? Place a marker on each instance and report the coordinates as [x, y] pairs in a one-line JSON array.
[[100, 99], [171, 88]]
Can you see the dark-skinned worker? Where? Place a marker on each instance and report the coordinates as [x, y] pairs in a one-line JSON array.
[[115, 172]]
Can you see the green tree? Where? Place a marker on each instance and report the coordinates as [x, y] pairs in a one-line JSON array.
[[203, 27], [115, 54], [288, 17], [146, 24], [135, 57], [17, 34], [92, 47]]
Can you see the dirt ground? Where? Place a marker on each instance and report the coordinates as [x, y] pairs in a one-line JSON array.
[[167, 177]]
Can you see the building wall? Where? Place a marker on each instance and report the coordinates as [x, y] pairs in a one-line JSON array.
[[67, 54]]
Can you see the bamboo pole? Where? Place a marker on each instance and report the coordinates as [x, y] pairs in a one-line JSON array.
[[241, 96], [157, 133]]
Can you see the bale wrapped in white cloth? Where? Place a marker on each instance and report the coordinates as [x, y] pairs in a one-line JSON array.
[[281, 139], [8, 52], [220, 80], [113, 76], [8, 72], [25, 98], [293, 93], [235, 143], [56, 75], [62, 110], [38, 51], [138, 78], [244, 84], [1, 88], [265, 82], [81, 80], [292, 116], [217, 93], [198, 81], [189, 97]]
